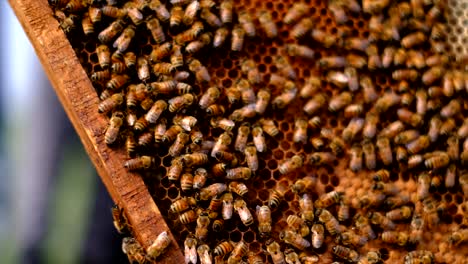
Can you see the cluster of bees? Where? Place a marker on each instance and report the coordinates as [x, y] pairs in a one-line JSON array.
[[165, 102]]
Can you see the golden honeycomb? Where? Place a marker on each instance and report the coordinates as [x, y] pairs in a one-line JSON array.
[[457, 17], [224, 67]]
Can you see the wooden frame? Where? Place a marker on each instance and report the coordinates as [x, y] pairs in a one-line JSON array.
[[80, 100]]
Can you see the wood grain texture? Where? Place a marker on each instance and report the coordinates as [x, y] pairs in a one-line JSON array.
[[80, 100]]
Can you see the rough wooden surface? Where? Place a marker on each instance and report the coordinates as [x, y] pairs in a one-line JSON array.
[[80, 100]]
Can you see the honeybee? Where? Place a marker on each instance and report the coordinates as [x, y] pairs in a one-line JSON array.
[[195, 159], [212, 190], [286, 97], [159, 245], [369, 154], [113, 129], [352, 129], [155, 112], [190, 34], [447, 127], [204, 254], [110, 103], [370, 126], [95, 14], [200, 177], [349, 238], [409, 117], [156, 30], [381, 220], [264, 219], [415, 161], [324, 38], [163, 87], [400, 57], [223, 123], [401, 213], [322, 158], [183, 88], [396, 238], [103, 54], [413, 39], [343, 210], [450, 176], [200, 71], [273, 248], [123, 41], [119, 220], [338, 11], [240, 206], [111, 31], [437, 161], [190, 12], [432, 74], [318, 235], [338, 102], [463, 180], [332, 62], [238, 173], [160, 52], [370, 95], [405, 74], [355, 161], [188, 217], [251, 157], [285, 67], [237, 39], [113, 12], [302, 27], [175, 170], [218, 224], [387, 56], [300, 130], [294, 163], [451, 109], [87, 25], [384, 150], [160, 9], [345, 253], [315, 122], [179, 102], [458, 237], [118, 67], [198, 44], [295, 222], [274, 199], [291, 257], [362, 224], [294, 239], [163, 68], [223, 248], [418, 145], [133, 249], [382, 175], [160, 130], [307, 208], [182, 204], [295, 13], [117, 81], [315, 103], [259, 138], [240, 249], [201, 230], [227, 208], [406, 136], [177, 147], [220, 37], [223, 141], [210, 18], [328, 199], [177, 59], [101, 76], [190, 249], [267, 24], [249, 68], [419, 256], [186, 181]]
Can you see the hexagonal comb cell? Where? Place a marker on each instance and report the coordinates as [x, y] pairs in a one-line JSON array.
[[364, 132]]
